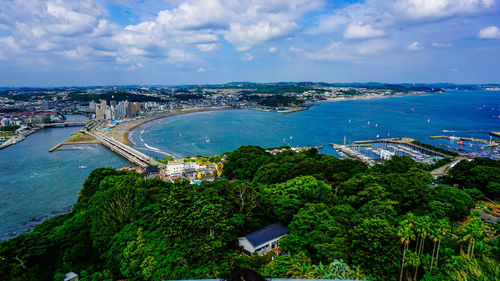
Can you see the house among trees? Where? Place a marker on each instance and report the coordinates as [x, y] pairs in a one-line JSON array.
[[71, 276], [262, 240]]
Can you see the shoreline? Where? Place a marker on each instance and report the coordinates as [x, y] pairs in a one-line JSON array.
[[367, 97], [122, 131]]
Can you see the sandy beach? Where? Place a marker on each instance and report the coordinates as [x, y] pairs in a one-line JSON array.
[[121, 131]]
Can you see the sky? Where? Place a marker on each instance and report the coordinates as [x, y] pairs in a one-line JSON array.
[[172, 42]]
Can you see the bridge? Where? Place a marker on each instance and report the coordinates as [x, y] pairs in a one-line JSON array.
[[63, 124], [123, 150]]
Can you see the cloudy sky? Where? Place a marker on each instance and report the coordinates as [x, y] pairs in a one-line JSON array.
[[91, 42]]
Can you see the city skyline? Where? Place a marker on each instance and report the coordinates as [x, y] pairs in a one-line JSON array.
[[58, 43]]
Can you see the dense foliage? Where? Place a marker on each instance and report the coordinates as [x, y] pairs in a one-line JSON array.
[[275, 100], [345, 221], [9, 128], [480, 174], [116, 96]]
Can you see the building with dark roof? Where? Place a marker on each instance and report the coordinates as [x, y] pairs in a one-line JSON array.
[[263, 240]]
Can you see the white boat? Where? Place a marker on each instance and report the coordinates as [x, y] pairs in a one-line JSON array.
[[207, 140], [428, 120], [82, 167]]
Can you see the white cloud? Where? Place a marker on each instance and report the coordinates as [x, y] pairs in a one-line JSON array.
[[358, 31], [295, 49], [437, 9], [247, 57], [245, 36], [442, 45], [331, 52], [382, 15], [206, 47], [490, 32], [177, 55], [373, 47], [272, 49], [201, 69], [415, 46]]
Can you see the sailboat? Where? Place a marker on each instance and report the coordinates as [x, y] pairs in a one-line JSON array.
[[428, 120]]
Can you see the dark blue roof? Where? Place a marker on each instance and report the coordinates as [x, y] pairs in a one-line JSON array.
[[267, 233]]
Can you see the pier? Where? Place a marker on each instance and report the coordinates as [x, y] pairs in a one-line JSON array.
[[405, 141], [460, 138], [373, 151]]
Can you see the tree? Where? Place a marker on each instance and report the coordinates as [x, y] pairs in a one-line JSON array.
[[373, 247], [314, 231], [405, 234], [292, 195]]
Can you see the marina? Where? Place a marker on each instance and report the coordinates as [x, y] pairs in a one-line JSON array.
[[376, 151]]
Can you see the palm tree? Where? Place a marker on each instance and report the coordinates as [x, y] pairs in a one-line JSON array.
[[471, 232], [443, 229], [405, 233], [434, 236]]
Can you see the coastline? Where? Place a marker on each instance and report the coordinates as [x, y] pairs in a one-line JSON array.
[[121, 131], [367, 97]]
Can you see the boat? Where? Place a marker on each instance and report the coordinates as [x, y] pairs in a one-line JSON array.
[[428, 120], [82, 167], [207, 140], [378, 136]]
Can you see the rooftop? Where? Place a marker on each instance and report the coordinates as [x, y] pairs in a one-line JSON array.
[[265, 234]]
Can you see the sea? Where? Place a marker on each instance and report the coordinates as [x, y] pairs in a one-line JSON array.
[[454, 113], [36, 184]]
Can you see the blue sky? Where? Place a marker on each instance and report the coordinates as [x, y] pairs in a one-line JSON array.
[[169, 42]]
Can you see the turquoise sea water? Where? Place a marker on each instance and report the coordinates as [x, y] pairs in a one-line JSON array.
[[459, 113], [35, 184]]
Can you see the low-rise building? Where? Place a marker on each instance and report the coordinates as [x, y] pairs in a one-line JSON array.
[[262, 240]]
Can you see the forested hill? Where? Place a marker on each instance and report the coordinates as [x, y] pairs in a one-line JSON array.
[[345, 221]]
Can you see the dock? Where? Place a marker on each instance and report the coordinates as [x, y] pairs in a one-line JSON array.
[[495, 134], [405, 141], [460, 138]]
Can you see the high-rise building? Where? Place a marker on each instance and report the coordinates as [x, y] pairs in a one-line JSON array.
[[108, 114], [45, 105], [137, 107], [92, 106], [104, 105], [99, 113]]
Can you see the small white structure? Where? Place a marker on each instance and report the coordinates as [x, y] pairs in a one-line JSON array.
[[71, 276], [263, 240]]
